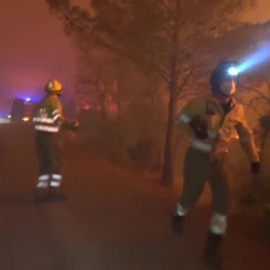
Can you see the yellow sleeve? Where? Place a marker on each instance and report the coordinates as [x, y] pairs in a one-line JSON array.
[[61, 120], [183, 118], [246, 137], [187, 113]]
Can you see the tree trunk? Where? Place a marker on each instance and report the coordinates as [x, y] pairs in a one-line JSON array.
[[119, 101], [168, 169]]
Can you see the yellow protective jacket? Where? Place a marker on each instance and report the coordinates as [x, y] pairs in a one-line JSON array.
[[222, 128], [48, 115]]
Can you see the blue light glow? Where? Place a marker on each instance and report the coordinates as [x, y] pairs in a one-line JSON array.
[[233, 71], [260, 56], [28, 99]]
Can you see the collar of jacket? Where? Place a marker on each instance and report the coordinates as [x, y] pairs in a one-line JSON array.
[[213, 99]]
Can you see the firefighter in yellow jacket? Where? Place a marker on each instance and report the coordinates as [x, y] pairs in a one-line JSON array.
[[212, 121], [48, 121]]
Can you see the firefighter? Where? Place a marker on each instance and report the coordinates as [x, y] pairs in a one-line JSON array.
[[212, 121], [48, 121]]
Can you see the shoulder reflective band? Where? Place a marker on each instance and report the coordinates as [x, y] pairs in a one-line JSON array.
[[56, 114], [56, 117]]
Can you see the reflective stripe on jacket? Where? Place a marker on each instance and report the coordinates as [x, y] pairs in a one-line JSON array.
[[48, 115], [222, 128]]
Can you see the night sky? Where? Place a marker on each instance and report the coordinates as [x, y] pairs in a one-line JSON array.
[[33, 47]]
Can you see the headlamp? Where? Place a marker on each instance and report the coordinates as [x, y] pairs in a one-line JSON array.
[[233, 71]]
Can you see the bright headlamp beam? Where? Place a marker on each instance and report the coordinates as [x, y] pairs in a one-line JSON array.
[[233, 71], [258, 57]]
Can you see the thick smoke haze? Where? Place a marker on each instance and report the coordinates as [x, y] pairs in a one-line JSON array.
[[33, 48]]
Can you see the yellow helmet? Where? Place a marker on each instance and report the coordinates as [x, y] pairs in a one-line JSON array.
[[54, 86]]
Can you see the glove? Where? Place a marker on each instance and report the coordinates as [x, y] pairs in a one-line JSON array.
[[75, 125], [255, 167], [199, 125], [265, 121]]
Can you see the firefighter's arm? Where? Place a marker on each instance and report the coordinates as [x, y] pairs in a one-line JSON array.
[[247, 142], [190, 121], [67, 125], [184, 117], [61, 120]]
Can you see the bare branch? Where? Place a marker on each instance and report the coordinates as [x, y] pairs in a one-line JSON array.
[[191, 94], [250, 106], [254, 90], [135, 59], [208, 29], [260, 98], [185, 79]]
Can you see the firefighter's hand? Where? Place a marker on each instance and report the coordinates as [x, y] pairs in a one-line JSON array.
[[75, 125], [199, 125], [255, 167], [265, 121]]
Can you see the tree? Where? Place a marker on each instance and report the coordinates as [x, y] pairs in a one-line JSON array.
[[96, 80], [160, 36]]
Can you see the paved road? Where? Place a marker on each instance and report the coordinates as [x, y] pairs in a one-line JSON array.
[[113, 219]]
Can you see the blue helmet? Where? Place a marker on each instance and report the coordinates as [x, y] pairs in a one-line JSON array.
[[225, 69]]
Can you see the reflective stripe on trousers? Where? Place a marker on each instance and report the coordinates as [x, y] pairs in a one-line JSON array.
[[56, 180], [218, 224], [199, 169], [180, 210], [43, 181]]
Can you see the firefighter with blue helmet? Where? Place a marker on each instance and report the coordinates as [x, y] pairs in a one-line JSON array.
[[48, 122], [211, 122]]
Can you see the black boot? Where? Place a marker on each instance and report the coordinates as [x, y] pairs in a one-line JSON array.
[[177, 223], [41, 195], [212, 254], [55, 194]]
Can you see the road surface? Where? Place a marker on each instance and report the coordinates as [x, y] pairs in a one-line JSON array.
[[113, 218]]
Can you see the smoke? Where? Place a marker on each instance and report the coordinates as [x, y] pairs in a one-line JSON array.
[[258, 57]]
